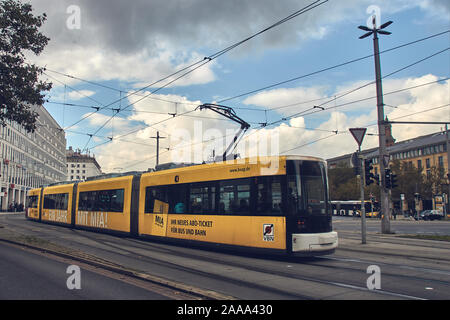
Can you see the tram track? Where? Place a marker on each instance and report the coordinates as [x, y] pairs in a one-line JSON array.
[[128, 247]]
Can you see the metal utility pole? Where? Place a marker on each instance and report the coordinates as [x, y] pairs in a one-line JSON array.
[[448, 172], [384, 196], [157, 146]]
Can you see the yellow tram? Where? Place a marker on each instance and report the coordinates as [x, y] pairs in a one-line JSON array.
[[270, 204]]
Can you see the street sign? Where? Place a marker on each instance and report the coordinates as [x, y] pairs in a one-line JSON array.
[[358, 134]]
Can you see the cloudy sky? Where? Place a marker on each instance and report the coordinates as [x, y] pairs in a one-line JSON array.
[[119, 57]]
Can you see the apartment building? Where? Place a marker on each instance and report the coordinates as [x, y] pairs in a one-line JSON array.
[[29, 160], [81, 166], [421, 152]]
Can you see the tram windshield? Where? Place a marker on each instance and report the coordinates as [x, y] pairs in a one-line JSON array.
[[308, 195]]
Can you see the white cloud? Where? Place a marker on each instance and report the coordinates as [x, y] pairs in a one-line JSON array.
[[184, 135], [80, 94], [138, 67], [361, 114]]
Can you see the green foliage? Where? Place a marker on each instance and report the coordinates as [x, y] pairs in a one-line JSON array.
[[20, 86], [343, 184]]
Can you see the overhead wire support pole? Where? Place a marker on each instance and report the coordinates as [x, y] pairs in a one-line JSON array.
[[230, 114], [384, 195], [157, 146]]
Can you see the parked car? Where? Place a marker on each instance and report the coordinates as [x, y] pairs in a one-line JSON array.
[[431, 215]]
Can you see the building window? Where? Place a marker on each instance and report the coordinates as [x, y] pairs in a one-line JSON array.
[[441, 161], [419, 164], [427, 163]]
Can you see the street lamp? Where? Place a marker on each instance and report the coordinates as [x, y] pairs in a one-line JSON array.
[[375, 30], [384, 196]]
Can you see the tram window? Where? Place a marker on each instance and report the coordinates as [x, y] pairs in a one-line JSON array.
[[155, 193], [202, 198], [234, 198], [268, 196], [306, 188], [56, 201], [102, 200], [177, 198], [32, 201]]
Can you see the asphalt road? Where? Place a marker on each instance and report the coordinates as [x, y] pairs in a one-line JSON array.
[[26, 275], [409, 268]]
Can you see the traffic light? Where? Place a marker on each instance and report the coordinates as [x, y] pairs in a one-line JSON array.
[[387, 178], [369, 176], [356, 162], [393, 181]]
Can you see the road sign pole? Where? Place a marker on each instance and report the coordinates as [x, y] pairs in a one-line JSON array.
[[358, 134], [363, 207]]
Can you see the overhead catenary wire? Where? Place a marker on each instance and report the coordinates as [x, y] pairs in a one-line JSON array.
[[255, 90], [383, 51], [314, 108], [202, 117], [329, 68], [191, 68], [223, 51], [367, 125], [214, 56], [333, 131]]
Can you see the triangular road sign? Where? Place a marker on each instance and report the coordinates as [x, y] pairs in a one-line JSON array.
[[358, 134]]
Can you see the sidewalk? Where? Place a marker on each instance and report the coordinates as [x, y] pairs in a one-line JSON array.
[[395, 245], [11, 212]]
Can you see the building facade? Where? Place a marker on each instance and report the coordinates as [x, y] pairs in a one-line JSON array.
[[422, 152], [81, 166], [429, 152], [29, 160]]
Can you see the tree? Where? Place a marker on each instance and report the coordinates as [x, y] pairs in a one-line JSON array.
[[410, 180], [20, 86], [343, 183], [434, 180]]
